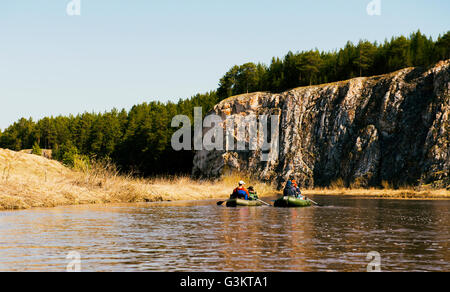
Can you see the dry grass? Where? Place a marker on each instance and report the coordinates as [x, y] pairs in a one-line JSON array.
[[403, 193], [29, 181], [184, 188]]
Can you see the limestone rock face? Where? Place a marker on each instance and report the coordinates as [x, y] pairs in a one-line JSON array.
[[364, 131]]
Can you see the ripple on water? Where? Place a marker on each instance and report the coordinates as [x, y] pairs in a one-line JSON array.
[[409, 235]]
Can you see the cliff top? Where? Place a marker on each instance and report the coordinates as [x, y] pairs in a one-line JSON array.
[[438, 66]]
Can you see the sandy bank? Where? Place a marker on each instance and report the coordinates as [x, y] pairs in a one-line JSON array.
[[29, 181]]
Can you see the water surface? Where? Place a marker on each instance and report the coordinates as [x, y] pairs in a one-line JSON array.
[[200, 236]]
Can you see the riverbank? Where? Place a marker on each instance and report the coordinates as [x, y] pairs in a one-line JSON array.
[[29, 181], [404, 193]]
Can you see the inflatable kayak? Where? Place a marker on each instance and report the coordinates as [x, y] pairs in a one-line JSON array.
[[245, 203], [287, 202]]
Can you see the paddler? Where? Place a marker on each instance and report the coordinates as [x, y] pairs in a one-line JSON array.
[[298, 192], [289, 190], [253, 194], [240, 192]]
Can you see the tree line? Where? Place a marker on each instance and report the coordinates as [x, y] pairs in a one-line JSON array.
[[139, 140], [354, 60]]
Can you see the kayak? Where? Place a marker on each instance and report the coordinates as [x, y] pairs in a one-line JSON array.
[[240, 202], [287, 202]]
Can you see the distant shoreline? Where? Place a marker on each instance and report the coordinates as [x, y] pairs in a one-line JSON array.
[[401, 194], [356, 194]]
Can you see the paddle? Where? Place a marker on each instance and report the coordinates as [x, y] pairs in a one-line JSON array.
[[264, 202], [317, 204], [220, 203]]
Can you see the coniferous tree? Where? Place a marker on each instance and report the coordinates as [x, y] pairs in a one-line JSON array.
[[365, 59]]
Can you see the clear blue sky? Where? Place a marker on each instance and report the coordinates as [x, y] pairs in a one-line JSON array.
[[118, 53]]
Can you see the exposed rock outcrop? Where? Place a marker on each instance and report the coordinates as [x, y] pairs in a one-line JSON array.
[[364, 131]]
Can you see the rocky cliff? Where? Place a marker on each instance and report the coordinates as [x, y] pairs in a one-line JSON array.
[[392, 128]]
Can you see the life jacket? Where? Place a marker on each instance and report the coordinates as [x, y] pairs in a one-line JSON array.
[[253, 195], [241, 192], [297, 189]]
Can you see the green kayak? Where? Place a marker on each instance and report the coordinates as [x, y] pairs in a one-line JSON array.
[[239, 202], [287, 202]]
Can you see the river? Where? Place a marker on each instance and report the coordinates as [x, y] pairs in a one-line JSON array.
[[200, 236]]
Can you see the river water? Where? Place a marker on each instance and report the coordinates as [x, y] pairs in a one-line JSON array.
[[200, 236]]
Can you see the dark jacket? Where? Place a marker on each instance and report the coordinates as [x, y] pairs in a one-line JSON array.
[[289, 190]]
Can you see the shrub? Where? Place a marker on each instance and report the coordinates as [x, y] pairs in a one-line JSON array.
[[68, 154], [36, 149]]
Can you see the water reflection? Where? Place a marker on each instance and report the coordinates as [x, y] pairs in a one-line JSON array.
[[200, 236]]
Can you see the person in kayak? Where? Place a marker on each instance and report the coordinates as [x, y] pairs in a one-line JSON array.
[[253, 195], [240, 192], [298, 192], [289, 190]]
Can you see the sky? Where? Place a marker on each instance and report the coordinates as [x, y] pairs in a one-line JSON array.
[[118, 53]]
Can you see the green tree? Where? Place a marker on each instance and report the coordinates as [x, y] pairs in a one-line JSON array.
[[443, 47], [420, 49], [366, 56], [227, 83], [275, 76], [36, 149], [68, 154], [399, 54], [247, 78], [309, 66]]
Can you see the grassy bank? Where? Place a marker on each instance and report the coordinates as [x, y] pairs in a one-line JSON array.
[[29, 181], [403, 193], [387, 191]]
